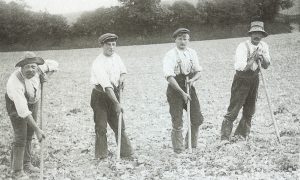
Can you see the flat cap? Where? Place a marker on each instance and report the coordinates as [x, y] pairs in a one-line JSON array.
[[107, 36], [180, 31], [30, 58]]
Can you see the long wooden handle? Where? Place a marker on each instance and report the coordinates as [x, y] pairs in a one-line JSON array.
[[269, 103], [119, 128], [41, 127], [188, 117]]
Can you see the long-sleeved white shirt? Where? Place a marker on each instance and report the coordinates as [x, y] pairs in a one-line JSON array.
[[23, 91], [106, 70], [180, 61], [241, 54]]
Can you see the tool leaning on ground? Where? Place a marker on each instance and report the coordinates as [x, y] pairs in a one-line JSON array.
[[41, 125], [269, 102], [120, 124], [188, 115]]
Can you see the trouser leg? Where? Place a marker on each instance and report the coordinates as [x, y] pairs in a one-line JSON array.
[[196, 118], [244, 126], [176, 104], [98, 103], [239, 92], [126, 148]]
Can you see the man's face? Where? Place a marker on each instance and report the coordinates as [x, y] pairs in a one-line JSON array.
[[256, 37], [29, 70], [182, 41], [109, 48]]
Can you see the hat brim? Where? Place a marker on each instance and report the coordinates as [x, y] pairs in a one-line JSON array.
[[264, 32], [35, 60]]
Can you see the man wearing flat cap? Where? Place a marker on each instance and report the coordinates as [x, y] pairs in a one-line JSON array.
[[245, 83], [179, 62], [22, 100], [107, 77]]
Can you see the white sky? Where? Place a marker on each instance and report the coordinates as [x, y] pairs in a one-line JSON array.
[[67, 6]]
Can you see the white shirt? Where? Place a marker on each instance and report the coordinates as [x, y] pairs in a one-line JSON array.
[[180, 61], [106, 70], [241, 54], [23, 91]]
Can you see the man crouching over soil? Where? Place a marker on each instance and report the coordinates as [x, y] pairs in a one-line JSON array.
[[22, 100], [244, 87], [107, 75], [178, 63]]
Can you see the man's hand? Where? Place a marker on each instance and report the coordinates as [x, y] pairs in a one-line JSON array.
[[121, 81], [118, 109], [191, 82], [43, 78], [40, 135], [186, 97]]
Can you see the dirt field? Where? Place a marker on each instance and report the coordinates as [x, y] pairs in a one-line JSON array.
[[70, 127]]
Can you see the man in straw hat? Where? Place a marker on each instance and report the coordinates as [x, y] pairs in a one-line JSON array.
[[179, 62], [22, 100], [244, 87], [107, 76]]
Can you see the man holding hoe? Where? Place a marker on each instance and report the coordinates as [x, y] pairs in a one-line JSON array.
[[179, 63], [23, 95], [248, 57], [107, 76]]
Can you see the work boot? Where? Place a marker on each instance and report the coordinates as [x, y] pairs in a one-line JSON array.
[[17, 164], [101, 150], [28, 167], [243, 129], [194, 137], [177, 141], [226, 129]]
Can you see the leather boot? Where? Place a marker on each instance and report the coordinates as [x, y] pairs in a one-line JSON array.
[[243, 129], [194, 137], [226, 129], [17, 164], [28, 167], [101, 150], [177, 140]]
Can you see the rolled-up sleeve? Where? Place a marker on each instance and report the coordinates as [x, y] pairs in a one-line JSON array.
[[266, 52], [168, 66], [240, 57], [49, 66], [196, 65], [16, 94], [100, 76]]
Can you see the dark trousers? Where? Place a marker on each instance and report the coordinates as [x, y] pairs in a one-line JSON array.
[[23, 133], [104, 112], [177, 105], [244, 91]]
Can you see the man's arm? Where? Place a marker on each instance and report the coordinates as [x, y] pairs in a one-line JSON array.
[[176, 86], [111, 94], [195, 78], [39, 133]]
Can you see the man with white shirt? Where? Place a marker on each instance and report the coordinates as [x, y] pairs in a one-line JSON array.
[[244, 87], [107, 76], [22, 101], [178, 63]]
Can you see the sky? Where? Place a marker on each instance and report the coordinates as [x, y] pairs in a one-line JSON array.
[[67, 6]]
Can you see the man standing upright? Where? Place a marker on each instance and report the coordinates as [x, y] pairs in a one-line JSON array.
[[244, 87], [178, 63], [22, 102], [107, 76]]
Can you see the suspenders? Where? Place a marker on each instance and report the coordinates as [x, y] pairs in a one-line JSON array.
[[179, 62]]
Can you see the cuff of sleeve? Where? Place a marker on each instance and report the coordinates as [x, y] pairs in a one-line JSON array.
[[52, 65], [167, 76], [25, 114]]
